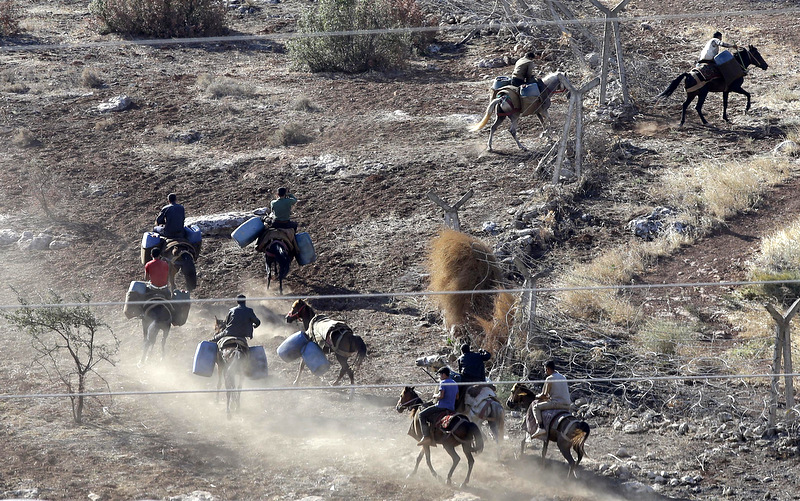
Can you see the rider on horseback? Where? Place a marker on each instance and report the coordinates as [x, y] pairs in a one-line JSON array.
[[156, 271], [554, 395], [470, 364], [445, 398], [171, 219], [711, 49], [239, 324], [524, 72], [282, 209]]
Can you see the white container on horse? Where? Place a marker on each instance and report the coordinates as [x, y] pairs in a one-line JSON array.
[[501, 82], [315, 359], [257, 366], [292, 347], [305, 249], [150, 239], [204, 359], [248, 232]]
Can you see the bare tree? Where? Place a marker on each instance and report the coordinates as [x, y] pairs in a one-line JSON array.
[[69, 340]]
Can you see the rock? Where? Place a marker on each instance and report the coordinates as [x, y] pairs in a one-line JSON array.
[[592, 59], [221, 225], [118, 103], [637, 487], [496, 62], [8, 237], [60, 243], [490, 227], [725, 417], [657, 223], [633, 428], [687, 480], [622, 452], [187, 137], [683, 429], [787, 148], [194, 496]]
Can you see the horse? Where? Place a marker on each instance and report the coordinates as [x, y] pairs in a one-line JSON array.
[[277, 258], [565, 429], [337, 336], [460, 431], [231, 359], [180, 255], [480, 401], [746, 57], [157, 317], [504, 107]]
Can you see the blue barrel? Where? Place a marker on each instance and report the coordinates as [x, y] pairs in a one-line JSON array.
[[150, 239], [138, 287], [257, 365], [316, 361], [193, 234], [292, 347], [501, 82], [723, 57], [530, 90], [305, 249], [180, 307], [248, 231], [204, 359]]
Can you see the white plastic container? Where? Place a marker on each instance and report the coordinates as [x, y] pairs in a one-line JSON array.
[[248, 232], [501, 82], [138, 287], [204, 359], [150, 239]]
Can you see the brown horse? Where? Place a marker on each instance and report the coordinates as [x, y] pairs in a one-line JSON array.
[[231, 360], [181, 256], [336, 336], [565, 429], [460, 431]]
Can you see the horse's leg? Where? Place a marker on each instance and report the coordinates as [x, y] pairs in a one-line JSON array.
[[564, 447], [144, 341], [544, 450], [302, 366], [269, 269], [739, 90], [495, 125], [427, 451], [689, 98], [725, 106], [164, 340], [701, 98], [456, 459], [514, 123], [416, 466], [470, 463], [220, 374]]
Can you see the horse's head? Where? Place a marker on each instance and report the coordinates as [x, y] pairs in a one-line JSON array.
[[408, 398], [554, 83], [520, 395], [756, 58], [219, 325], [298, 308]]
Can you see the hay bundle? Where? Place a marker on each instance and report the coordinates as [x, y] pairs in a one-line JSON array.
[[459, 262]]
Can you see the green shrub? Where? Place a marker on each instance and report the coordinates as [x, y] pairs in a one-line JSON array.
[[350, 53], [9, 18], [161, 18], [663, 337]]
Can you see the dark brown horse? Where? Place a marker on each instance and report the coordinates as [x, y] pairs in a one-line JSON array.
[[746, 57], [565, 429], [181, 256], [231, 360], [336, 337], [462, 432]]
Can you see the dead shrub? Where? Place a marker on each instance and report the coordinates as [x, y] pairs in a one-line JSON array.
[[289, 135], [497, 329], [302, 104], [9, 18], [91, 78], [217, 89], [459, 262], [160, 19]]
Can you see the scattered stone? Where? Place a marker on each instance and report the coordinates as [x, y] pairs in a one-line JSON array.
[[195, 496], [622, 452], [637, 487], [221, 225], [187, 137], [8, 237], [633, 428], [658, 223], [683, 429], [118, 103], [497, 62], [787, 148], [60, 243]]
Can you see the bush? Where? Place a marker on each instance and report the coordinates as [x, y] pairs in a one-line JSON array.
[[289, 135], [357, 53], [9, 18], [161, 19]]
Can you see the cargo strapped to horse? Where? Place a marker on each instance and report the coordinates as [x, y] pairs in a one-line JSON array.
[[284, 235], [179, 245], [324, 328]]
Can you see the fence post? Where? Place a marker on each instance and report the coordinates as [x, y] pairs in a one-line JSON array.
[[450, 213], [612, 27], [783, 344]]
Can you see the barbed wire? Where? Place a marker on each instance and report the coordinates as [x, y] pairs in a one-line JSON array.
[[234, 39], [651, 379], [395, 294]]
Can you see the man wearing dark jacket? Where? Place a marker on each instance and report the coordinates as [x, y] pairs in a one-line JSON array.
[[171, 218], [240, 321], [470, 364]]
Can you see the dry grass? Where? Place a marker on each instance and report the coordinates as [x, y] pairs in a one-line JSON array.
[[290, 134], [496, 330], [302, 104], [24, 138], [722, 190], [92, 79], [664, 337], [9, 17], [459, 262], [219, 88], [778, 259]]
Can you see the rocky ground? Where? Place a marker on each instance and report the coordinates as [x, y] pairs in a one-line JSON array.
[[376, 144]]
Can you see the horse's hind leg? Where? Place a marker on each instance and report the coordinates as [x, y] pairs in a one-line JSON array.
[[514, 122], [492, 130], [456, 459], [164, 341], [689, 99], [564, 446], [700, 100], [470, 463]]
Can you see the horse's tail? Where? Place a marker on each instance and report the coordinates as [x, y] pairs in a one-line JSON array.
[[480, 125], [672, 86], [581, 434], [500, 419], [361, 354], [475, 437], [283, 258]]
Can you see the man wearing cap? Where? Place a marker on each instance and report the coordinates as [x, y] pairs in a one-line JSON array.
[[240, 321], [171, 218], [444, 400]]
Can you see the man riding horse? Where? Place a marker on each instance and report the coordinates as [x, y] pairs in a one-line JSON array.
[[554, 395], [444, 401], [239, 325], [524, 72], [471, 367], [711, 49], [171, 219]]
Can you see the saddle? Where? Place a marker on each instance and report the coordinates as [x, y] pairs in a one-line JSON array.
[[548, 415], [523, 105], [286, 236], [232, 342], [323, 327], [177, 245]]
